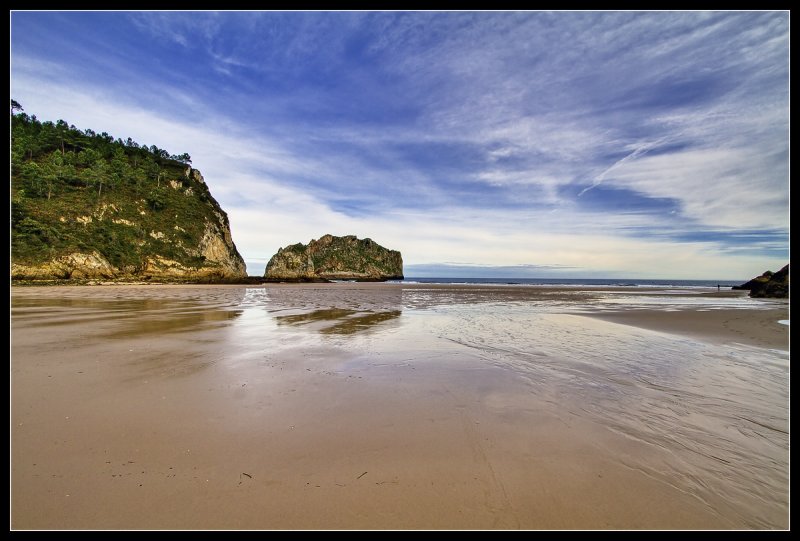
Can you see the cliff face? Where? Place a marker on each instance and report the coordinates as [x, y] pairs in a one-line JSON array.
[[335, 258], [769, 284], [173, 232]]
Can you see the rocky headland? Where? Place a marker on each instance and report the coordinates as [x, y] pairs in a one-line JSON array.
[[85, 206], [770, 284]]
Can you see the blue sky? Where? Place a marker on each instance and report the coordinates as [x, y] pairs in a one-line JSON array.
[[566, 144]]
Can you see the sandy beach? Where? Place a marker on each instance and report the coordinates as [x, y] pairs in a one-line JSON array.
[[397, 406]]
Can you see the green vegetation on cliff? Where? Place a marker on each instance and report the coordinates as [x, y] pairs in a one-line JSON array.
[[137, 207]]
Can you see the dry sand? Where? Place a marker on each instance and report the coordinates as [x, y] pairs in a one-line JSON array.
[[174, 407]]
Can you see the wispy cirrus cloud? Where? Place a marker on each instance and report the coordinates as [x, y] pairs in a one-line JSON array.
[[548, 139]]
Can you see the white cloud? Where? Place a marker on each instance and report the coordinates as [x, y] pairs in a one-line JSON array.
[[530, 96], [638, 150], [267, 213], [716, 188]]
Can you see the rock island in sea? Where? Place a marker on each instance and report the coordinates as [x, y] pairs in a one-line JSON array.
[[335, 258]]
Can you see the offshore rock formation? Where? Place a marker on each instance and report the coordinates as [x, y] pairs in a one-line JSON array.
[[335, 258], [769, 284]]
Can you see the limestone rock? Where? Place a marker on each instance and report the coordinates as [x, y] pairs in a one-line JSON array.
[[71, 266], [217, 245], [335, 258]]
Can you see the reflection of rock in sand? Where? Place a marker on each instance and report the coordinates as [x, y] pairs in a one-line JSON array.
[[156, 311], [355, 297], [329, 314], [339, 309], [191, 319], [343, 321]]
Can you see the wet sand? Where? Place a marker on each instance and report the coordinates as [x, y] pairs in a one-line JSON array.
[[387, 406], [724, 326]]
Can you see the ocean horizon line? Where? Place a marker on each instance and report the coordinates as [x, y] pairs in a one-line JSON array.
[[618, 282]]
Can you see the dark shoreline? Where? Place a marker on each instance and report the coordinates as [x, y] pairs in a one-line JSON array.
[[250, 280]]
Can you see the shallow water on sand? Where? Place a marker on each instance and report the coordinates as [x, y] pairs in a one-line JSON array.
[[710, 420], [714, 417]]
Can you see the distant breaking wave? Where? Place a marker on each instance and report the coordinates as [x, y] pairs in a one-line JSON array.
[[611, 282]]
